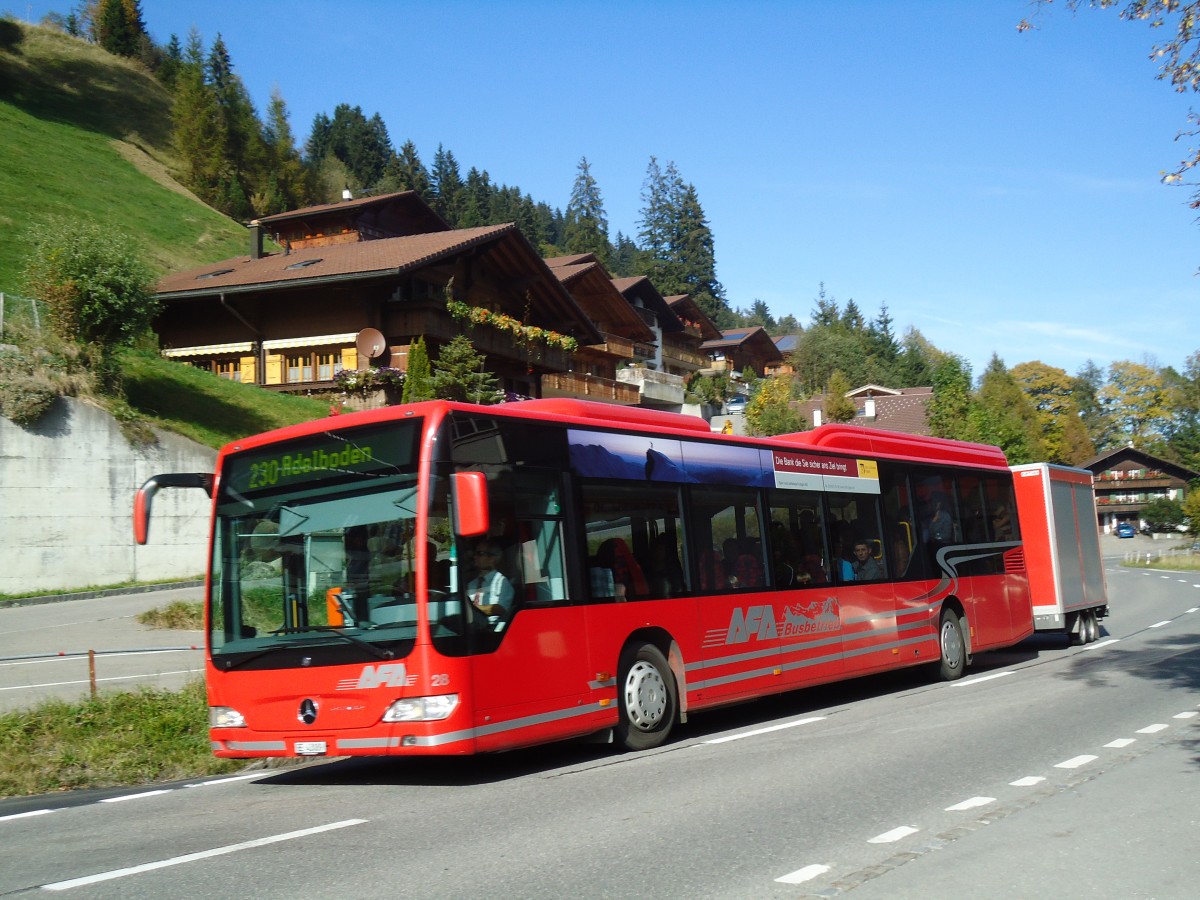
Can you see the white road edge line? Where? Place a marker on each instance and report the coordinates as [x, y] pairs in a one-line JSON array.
[[1099, 644], [1027, 781], [229, 778], [966, 682], [1190, 714], [808, 873], [889, 837], [1159, 624], [50, 684], [125, 797], [1152, 729], [758, 731], [192, 857], [1121, 742], [26, 815]]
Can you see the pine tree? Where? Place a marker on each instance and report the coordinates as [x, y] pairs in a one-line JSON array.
[[461, 374], [586, 222], [447, 186], [951, 404], [287, 184], [1001, 414], [406, 172], [120, 28], [418, 383], [196, 122], [839, 407]]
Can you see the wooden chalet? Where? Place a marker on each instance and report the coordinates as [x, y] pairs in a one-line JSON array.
[[1126, 479], [740, 348], [352, 272]]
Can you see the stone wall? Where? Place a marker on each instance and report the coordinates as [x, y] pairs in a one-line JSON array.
[[66, 499]]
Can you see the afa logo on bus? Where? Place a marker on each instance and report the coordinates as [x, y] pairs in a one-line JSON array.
[[759, 622]]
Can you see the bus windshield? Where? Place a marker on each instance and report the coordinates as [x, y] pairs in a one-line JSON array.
[[314, 550]]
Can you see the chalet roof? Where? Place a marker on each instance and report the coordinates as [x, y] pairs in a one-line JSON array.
[[753, 338], [387, 258], [787, 343], [1114, 458], [594, 291], [641, 288], [687, 310], [576, 260], [878, 391], [903, 410], [407, 206]]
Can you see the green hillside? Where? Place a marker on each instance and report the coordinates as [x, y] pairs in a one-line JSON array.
[[87, 135]]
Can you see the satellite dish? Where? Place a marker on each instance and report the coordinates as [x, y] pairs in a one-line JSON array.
[[370, 343]]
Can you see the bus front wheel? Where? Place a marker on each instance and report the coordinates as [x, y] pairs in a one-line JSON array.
[[952, 646], [647, 699]]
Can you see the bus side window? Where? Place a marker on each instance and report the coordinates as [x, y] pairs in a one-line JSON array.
[[854, 521]]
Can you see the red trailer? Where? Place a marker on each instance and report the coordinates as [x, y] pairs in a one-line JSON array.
[[1056, 508]]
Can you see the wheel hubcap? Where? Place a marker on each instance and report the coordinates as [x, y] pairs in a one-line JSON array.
[[645, 696], [952, 645]]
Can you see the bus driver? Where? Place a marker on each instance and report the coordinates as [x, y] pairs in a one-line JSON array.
[[489, 590]]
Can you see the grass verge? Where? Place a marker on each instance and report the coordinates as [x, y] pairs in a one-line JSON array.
[[1177, 561], [111, 740], [179, 615]]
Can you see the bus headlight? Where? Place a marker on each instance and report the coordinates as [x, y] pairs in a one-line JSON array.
[[422, 709], [225, 717]]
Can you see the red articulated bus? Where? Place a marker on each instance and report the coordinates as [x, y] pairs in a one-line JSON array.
[[443, 578]]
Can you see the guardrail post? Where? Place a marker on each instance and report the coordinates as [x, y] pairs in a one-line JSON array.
[[92, 672]]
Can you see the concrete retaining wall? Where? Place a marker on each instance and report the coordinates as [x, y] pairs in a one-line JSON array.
[[66, 500]]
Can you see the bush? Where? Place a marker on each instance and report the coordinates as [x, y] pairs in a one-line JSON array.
[[32, 379], [97, 289]]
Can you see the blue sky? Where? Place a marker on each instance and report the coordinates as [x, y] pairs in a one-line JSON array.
[[998, 191]]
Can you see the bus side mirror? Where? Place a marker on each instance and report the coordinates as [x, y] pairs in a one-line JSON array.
[[470, 503], [144, 498]]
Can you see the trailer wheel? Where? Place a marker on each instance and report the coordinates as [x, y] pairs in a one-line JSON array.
[[1077, 629], [1093, 626], [953, 647], [647, 699]]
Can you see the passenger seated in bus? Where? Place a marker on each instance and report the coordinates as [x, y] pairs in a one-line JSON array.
[[865, 566], [785, 568], [939, 526], [490, 591], [628, 580], [664, 574], [1002, 529], [741, 569]]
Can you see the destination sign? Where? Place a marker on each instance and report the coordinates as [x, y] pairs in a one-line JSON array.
[[335, 455]]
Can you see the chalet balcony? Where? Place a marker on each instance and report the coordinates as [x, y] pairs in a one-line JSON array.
[[685, 358], [486, 340], [589, 387], [625, 348], [655, 388]]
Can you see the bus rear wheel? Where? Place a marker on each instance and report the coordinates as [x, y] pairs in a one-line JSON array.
[[647, 699], [952, 646]]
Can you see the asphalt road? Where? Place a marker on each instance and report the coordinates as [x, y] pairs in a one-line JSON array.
[[43, 648], [1049, 771]]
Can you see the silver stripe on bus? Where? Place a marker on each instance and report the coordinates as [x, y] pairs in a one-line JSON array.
[[812, 661], [256, 745], [466, 734]]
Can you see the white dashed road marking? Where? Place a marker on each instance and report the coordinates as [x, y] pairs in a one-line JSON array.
[[192, 857], [802, 875], [889, 837], [1075, 762]]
